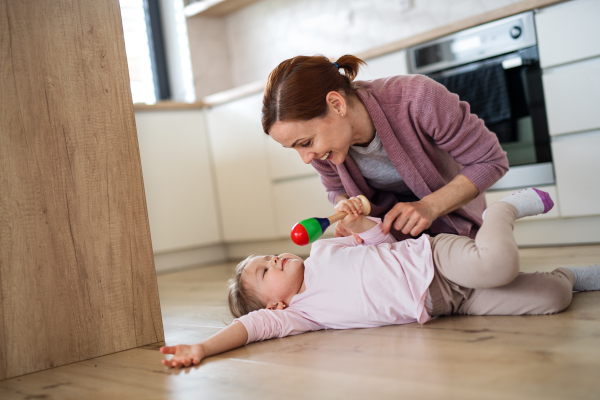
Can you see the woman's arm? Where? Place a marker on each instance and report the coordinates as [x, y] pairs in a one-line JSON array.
[[232, 337], [413, 218], [451, 126]]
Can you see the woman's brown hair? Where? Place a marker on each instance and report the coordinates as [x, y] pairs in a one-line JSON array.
[[297, 88], [242, 300]]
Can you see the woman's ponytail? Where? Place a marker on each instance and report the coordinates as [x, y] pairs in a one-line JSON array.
[[351, 65]]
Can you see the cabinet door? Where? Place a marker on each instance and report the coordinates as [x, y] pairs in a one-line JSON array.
[[568, 32], [299, 199], [285, 163], [240, 159], [573, 96], [577, 167], [381, 67], [177, 178]]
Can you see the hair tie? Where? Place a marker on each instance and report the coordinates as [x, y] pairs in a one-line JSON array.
[[336, 65]]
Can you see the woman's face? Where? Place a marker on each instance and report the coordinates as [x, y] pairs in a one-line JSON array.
[[326, 138]]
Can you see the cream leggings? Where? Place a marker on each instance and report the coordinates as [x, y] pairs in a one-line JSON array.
[[481, 276]]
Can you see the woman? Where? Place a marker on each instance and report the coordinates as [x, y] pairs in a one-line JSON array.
[[405, 142]]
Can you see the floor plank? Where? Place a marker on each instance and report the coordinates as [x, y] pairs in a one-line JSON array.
[[462, 357]]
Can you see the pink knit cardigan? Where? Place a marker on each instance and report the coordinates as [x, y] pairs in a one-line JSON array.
[[430, 137]]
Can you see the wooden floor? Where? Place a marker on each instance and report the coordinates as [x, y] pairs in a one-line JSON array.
[[462, 357]]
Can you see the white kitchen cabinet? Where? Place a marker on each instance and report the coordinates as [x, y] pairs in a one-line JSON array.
[[299, 199], [568, 32], [572, 95], [493, 196], [285, 163], [391, 64], [177, 179], [577, 168], [239, 151]]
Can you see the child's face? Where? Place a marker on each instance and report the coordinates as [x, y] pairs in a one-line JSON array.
[[276, 279]]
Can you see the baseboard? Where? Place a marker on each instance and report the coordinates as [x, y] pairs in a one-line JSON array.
[[180, 259], [558, 231]]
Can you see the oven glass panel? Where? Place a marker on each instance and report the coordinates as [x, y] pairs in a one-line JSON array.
[[506, 92]]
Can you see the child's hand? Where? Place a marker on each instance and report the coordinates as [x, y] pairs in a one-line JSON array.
[[183, 355], [353, 205]]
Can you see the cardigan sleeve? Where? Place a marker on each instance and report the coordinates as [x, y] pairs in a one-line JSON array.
[[330, 179], [452, 127]]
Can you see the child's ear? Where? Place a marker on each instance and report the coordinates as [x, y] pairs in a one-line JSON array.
[[275, 306]]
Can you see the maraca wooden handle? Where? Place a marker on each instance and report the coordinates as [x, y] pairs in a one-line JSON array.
[[366, 210]]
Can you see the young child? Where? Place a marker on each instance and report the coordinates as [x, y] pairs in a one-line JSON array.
[[345, 284]]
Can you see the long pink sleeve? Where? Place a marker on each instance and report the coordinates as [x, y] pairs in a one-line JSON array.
[[267, 324]]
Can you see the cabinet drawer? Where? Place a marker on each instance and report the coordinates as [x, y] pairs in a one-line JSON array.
[[299, 199], [577, 168], [568, 32], [572, 95]]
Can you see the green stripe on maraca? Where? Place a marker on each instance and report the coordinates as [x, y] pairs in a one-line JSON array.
[[313, 228]]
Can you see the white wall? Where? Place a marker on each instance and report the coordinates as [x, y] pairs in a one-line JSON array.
[[262, 35]]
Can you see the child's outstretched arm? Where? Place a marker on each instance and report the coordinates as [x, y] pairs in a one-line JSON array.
[[232, 337]]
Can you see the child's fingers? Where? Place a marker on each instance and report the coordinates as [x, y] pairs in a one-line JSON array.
[[187, 362], [356, 204], [349, 206], [165, 363], [196, 361], [168, 349]]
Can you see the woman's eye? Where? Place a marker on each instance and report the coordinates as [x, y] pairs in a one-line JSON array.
[[306, 144]]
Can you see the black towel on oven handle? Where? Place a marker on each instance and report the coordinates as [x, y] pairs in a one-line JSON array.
[[486, 90]]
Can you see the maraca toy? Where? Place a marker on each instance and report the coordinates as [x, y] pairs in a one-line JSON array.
[[309, 230]]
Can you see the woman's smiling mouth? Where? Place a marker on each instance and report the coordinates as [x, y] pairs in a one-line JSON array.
[[326, 156]]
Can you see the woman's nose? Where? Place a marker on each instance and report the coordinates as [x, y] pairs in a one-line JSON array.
[[307, 156]]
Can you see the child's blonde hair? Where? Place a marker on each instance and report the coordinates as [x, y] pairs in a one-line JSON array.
[[242, 300]]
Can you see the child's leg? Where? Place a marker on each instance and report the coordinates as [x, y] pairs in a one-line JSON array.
[[537, 293], [492, 259]]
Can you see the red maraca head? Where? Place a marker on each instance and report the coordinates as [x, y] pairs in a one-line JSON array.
[[299, 235]]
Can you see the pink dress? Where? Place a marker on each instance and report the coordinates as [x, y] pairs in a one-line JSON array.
[[380, 282]]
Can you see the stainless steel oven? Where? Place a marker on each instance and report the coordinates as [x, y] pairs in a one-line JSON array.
[[495, 68]]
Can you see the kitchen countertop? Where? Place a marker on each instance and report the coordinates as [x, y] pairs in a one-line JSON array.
[[257, 87]]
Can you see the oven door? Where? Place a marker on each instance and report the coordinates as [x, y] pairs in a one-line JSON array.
[[506, 92]]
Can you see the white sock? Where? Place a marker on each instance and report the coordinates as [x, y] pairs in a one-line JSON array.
[[529, 202], [586, 278]]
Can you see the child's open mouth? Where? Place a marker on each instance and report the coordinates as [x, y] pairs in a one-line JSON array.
[[283, 262]]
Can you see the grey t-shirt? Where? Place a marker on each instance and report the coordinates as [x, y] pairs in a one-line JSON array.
[[377, 168]]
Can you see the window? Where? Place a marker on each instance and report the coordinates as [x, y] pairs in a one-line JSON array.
[[145, 50]]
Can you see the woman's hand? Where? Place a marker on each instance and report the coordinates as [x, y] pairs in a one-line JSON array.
[[409, 218], [183, 355]]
